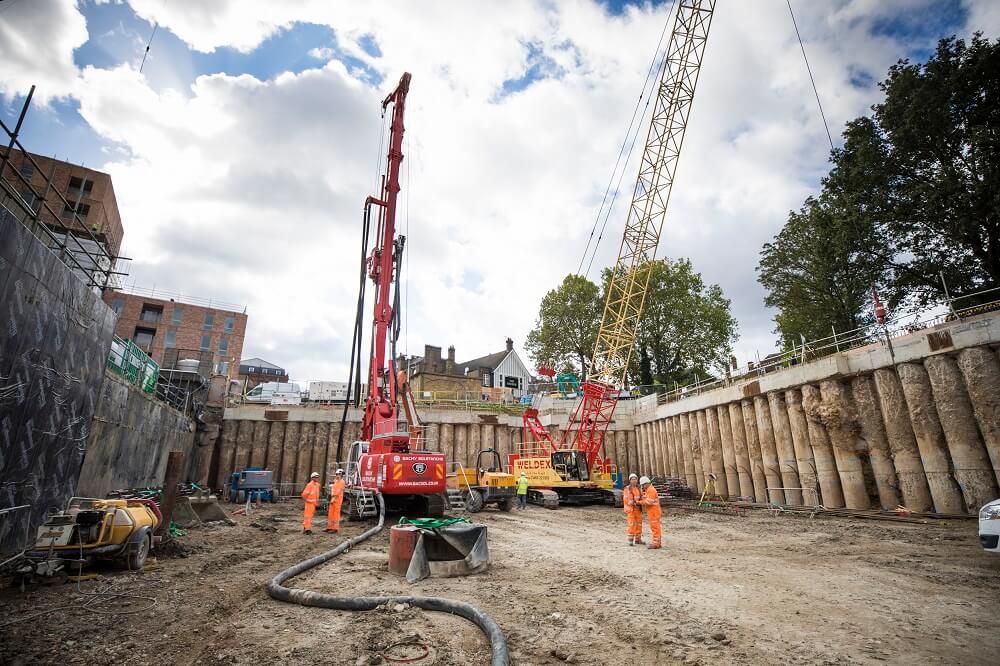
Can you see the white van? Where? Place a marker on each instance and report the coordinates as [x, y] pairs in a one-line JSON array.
[[267, 392]]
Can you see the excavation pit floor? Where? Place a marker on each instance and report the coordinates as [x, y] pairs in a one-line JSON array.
[[563, 585]]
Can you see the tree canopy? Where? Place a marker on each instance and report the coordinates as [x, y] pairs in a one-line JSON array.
[[686, 328], [566, 330], [912, 195]]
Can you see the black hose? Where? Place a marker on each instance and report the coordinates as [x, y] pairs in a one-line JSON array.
[[277, 590]]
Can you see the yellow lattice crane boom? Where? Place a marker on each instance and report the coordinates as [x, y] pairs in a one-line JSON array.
[[630, 276], [574, 472]]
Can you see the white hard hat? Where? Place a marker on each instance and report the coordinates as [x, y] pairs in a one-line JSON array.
[[314, 475], [633, 476], [339, 471], [644, 480]]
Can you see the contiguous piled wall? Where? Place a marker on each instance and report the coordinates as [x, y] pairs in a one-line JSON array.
[[293, 442], [917, 425]]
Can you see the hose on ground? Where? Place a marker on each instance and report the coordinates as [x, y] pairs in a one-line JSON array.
[[277, 590]]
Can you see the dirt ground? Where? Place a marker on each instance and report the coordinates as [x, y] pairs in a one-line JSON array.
[[564, 586]]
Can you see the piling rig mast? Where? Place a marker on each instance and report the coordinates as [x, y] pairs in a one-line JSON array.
[[387, 459], [590, 478]]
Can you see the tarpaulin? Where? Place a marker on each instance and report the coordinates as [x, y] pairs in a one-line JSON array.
[[456, 550]]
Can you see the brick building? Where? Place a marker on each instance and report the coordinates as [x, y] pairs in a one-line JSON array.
[[171, 331], [488, 377], [90, 192]]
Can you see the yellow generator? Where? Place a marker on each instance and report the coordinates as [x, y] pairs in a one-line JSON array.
[[486, 484], [88, 529]]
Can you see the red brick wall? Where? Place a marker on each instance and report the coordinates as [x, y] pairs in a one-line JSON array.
[[103, 218], [188, 333]]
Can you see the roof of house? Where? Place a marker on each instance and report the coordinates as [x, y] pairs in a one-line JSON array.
[[490, 361], [260, 363]]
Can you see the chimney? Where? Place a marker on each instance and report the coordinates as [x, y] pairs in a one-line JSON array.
[[510, 345], [432, 358], [449, 365]]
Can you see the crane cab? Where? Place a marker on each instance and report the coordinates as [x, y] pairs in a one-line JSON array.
[[571, 465]]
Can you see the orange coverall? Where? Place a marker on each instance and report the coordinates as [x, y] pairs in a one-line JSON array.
[[336, 499], [633, 513], [651, 503], [311, 497]]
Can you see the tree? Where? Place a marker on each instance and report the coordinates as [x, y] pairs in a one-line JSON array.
[[566, 330], [818, 274], [914, 193], [686, 327], [940, 125]]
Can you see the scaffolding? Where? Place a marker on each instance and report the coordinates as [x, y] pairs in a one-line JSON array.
[[87, 256]]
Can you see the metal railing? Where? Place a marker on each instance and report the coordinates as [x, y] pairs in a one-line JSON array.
[[165, 295], [904, 322]]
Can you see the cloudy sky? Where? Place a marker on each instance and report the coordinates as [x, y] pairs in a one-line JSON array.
[[242, 153]]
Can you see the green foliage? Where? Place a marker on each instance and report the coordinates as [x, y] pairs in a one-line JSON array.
[[686, 329], [817, 273], [566, 330], [913, 193]]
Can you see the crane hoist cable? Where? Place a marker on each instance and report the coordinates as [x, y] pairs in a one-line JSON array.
[[649, 82], [809, 70]]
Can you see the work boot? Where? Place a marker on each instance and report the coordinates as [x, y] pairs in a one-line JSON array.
[[654, 546], [640, 542], [307, 531]]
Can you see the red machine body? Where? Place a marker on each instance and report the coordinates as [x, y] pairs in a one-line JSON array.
[[388, 459]]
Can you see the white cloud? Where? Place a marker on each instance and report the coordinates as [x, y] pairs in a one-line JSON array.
[[37, 40], [251, 191], [321, 53]]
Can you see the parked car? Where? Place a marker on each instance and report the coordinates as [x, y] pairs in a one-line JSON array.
[[267, 392], [989, 526]]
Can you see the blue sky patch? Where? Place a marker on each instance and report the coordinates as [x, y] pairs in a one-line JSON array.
[[60, 131]]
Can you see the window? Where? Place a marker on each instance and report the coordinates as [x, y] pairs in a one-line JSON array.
[[151, 313], [82, 210], [118, 305], [223, 345], [227, 326], [27, 171], [143, 337], [209, 321], [206, 342], [250, 369], [33, 202], [171, 340], [77, 184], [487, 380], [178, 315]]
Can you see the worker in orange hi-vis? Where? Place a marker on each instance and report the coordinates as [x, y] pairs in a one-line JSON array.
[[336, 499], [651, 505], [632, 504], [310, 495]]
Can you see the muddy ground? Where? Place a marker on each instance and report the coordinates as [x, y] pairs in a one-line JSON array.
[[564, 586]]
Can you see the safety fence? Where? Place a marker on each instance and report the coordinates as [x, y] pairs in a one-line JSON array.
[[129, 361]]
